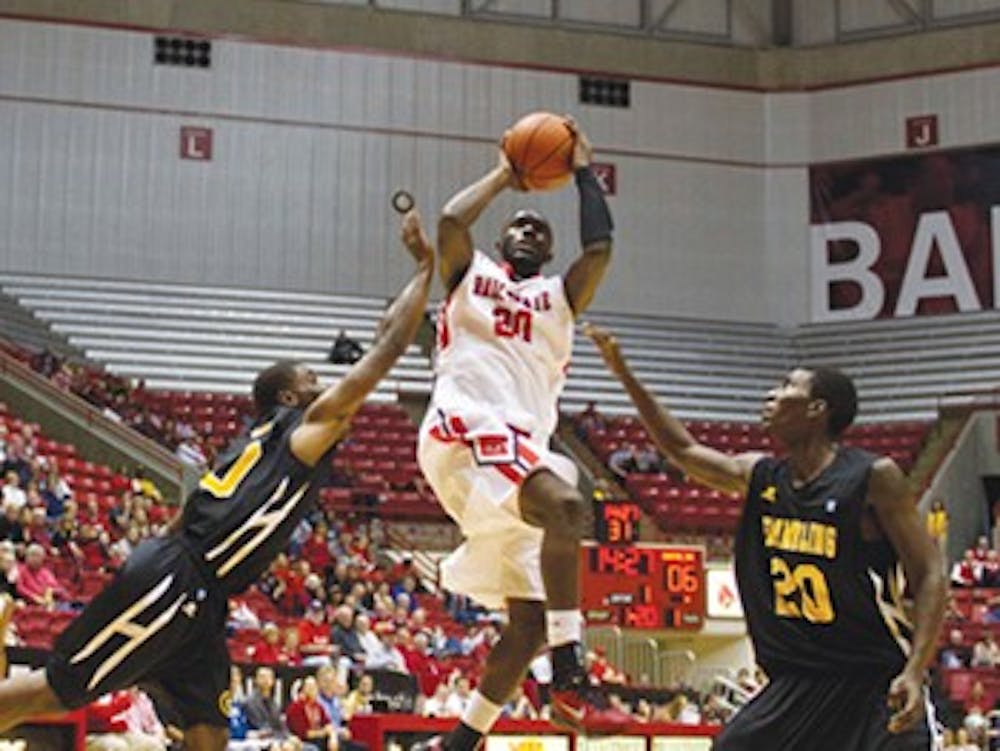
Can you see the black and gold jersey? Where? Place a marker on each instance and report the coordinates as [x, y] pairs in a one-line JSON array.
[[242, 513], [817, 596]]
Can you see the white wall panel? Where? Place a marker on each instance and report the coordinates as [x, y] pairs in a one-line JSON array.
[[954, 8], [310, 144], [869, 120]]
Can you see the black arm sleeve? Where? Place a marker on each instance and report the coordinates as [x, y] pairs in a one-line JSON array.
[[595, 217]]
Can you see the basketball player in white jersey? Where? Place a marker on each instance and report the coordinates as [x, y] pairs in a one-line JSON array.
[[505, 337]]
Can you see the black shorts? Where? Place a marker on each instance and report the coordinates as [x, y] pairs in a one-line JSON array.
[[830, 713], [157, 622]]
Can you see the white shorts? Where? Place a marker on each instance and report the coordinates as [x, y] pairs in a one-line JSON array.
[[477, 476]]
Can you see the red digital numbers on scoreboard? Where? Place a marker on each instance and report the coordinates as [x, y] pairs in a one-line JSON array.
[[616, 523], [643, 586]]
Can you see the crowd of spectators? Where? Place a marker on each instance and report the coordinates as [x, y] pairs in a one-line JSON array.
[[123, 401], [978, 567], [49, 535]]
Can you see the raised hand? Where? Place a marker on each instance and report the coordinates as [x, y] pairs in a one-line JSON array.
[[415, 239], [582, 149], [607, 345]]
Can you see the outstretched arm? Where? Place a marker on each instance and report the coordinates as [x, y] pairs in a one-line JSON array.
[[587, 271], [726, 472], [460, 213], [328, 417], [897, 516]]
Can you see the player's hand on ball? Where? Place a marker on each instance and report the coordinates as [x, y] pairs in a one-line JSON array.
[[607, 345], [906, 694], [582, 150], [505, 166], [415, 239]]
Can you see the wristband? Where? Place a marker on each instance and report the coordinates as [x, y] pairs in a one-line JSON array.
[[595, 217]]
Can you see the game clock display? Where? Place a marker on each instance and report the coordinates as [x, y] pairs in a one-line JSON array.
[[647, 586]]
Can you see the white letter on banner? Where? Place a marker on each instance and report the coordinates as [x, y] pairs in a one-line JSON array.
[[857, 270], [935, 228]]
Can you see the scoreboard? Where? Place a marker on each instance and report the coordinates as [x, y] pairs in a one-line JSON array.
[[646, 586]]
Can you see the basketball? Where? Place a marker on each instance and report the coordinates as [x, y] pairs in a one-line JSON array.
[[540, 149]]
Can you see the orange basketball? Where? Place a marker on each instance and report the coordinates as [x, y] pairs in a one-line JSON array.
[[540, 149]]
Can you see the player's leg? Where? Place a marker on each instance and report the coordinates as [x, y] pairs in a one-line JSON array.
[[505, 668], [206, 738], [195, 684], [26, 696], [549, 502]]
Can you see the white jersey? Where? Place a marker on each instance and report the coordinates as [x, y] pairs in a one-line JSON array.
[[503, 349]]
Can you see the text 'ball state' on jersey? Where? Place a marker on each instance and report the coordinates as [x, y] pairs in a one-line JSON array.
[[504, 347]]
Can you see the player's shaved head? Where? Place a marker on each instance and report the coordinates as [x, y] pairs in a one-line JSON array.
[[270, 382], [840, 395]]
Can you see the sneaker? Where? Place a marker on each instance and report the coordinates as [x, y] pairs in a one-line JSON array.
[[574, 710]]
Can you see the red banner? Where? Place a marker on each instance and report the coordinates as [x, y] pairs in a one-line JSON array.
[[910, 235]]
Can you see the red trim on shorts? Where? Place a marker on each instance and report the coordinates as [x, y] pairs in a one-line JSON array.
[[439, 435], [511, 473], [529, 456]]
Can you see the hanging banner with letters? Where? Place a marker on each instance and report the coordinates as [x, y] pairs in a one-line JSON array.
[[904, 236]]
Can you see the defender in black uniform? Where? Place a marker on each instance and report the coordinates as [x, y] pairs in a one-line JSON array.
[[828, 541], [162, 619]]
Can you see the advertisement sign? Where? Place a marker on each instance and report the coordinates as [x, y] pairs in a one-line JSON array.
[[611, 743], [660, 743], [905, 236], [723, 596], [526, 743]]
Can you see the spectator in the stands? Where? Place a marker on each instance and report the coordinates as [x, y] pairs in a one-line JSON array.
[[622, 460], [409, 587], [420, 663], [460, 696], [314, 636], [382, 598], [264, 718], [13, 493], [370, 643], [142, 485], [388, 656], [18, 459], [986, 652], [436, 705], [122, 548], [10, 524], [290, 653], [345, 636], [308, 720], [345, 351], [190, 452], [967, 571], [991, 569], [55, 492], [937, 523], [589, 421], [143, 730], [955, 654], [36, 528], [647, 460], [332, 693], [359, 701], [8, 568], [36, 583], [267, 647], [316, 548]]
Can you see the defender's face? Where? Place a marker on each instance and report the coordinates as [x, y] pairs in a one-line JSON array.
[[786, 407], [526, 244], [305, 386]]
